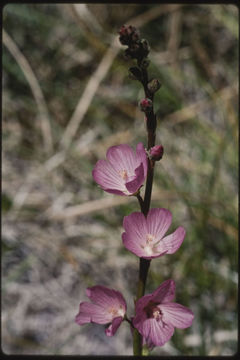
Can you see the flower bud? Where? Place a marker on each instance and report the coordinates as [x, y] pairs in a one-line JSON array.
[[146, 105], [156, 152], [154, 85]]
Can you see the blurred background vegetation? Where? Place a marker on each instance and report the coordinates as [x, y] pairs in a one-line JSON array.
[[66, 99]]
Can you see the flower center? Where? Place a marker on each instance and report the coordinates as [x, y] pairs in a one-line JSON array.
[[149, 245], [123, 174], [157, 314], [150, 238], [153, 311], [115, 312]]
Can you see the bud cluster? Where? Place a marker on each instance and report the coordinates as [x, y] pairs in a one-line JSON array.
[[137, 48], [128, 35]]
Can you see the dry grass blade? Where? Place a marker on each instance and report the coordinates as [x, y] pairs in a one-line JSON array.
[[152, 13], [35, 87], [100, 204]]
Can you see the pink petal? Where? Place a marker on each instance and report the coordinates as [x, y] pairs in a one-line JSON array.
[[142, 157], [141, 314], [134, 185], [158, 222], [92, 313], [165, 292], [156, 332], [116, 192], [106, 297], [132, 245], [111, 330], [160, 333], [172, 242], [107, 177], [135, 226], [122, 157], [177, 315]]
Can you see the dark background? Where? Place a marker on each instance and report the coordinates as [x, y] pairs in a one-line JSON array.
[[66, 99]]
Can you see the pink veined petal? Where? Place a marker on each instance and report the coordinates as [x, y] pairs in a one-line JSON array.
[[122, 157], [92, 313], [177, 315], [159, 332], [165, 292], [138, 322], [116, 192], [135, 226], [158, 222], [111, 330], [133, 185], [107, 177], [105, 297], [141, 314], [142, 157], [172, 242], [155, 332], [82, 318], [131, 245]]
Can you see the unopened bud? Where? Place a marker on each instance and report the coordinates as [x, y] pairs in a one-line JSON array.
[[156, 152], [146, 105], [154, 85]]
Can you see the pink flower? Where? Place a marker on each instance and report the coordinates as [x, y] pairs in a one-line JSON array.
[[108, 306], [156, 316], [145, 236], [124, 171]]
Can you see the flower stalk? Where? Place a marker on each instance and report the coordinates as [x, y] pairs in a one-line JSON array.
[[146, 105]]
